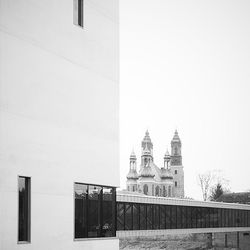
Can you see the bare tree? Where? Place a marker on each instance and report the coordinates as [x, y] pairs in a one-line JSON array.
[[205, 181], [208, 180]]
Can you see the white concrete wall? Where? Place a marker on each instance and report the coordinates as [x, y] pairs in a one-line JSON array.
[[58, 114]]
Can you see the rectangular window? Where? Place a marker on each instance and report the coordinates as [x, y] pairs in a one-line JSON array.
[[175, 183], [94, 211], [23, 209], [78, 12], [175, 171]]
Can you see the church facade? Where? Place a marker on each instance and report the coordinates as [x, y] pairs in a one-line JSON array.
[[165, 181]]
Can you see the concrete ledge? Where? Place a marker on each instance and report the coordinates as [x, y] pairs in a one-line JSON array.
[[138, 233]]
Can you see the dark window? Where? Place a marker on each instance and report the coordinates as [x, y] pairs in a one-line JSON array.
[[175, 183], [78, 12], [157, 191], [94, 211], [169, 191], [145, 189], [24, 209], [80, 211], [175, 171], [164, 192]]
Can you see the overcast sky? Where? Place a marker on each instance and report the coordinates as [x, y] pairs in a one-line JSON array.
[[186, 65]]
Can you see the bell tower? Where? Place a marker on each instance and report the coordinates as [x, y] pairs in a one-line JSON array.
[[132, 176], [176, 158], [176, 166]]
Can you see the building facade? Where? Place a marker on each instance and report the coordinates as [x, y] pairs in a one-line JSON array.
[[166, 181], [58, 108]]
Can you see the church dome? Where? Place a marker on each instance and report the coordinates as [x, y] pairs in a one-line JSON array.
[[146, 172], [132, 175], [166, 174]]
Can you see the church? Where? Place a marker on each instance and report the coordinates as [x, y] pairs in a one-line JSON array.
[[165, 181]]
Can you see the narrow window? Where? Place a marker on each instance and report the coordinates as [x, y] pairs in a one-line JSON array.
[[78, 12], [175, 171], [175, 183], [23, 209], [145, 189], [80, 210]]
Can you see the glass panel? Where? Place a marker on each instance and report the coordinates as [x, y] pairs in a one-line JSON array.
[[189, 218], [199, 217], [242, 218], [162, 217], [227, 217], [107, 210], [143, 220], [184, 217], [194, 220], [233, 218], [156, 220], [120, 216], [219, 217], [80, 211], [216, 217], [149, 216], [173, 217], [179, 216], [136, 216], [248, 215], [94, 208], [230, 222], [24, 209], [168, 217], [223, 223], [128, 216]]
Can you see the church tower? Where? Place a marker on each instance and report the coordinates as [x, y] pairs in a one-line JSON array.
[[146, 175], [176, 166], [132, 176]]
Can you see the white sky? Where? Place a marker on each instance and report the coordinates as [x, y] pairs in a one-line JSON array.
[[186, 65]]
